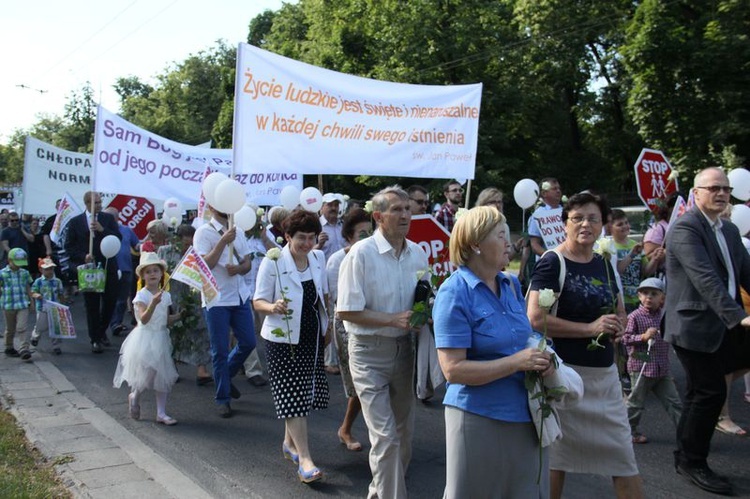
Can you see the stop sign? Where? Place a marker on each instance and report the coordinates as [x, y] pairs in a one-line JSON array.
[[652, 171], [135, 212], [433, 238]]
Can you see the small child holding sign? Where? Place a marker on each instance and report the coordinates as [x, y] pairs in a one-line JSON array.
[[47, 287], [146, 354]]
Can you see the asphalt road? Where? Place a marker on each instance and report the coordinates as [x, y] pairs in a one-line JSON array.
[[241, 456]]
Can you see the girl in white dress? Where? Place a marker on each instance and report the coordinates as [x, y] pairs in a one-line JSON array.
[[146, 354]]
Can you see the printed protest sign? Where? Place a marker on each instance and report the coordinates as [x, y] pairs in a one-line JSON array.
[[60, 320], [293, 117], [193, 271], [131, 160], [551, 227]]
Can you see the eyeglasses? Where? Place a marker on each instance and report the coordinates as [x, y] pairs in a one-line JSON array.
[[579, 220], [12, 220], [459, 190], [422, 202], [713, 189]]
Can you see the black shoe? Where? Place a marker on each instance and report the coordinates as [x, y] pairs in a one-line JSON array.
[[56, 351], [96, 347], [12, 352], [234, 392], [704, 478], [117, 330], [26, 356], [105, 341], [257, 380], [225, 411], [203, 380], [34, 342]]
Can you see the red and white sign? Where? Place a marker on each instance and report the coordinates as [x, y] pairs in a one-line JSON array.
[[433, 238], [135, 212], [652, 172]]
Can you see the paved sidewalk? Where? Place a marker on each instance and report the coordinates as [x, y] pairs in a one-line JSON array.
[[98, 457]]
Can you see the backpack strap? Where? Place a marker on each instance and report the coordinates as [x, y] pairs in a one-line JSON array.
[[560, 278]]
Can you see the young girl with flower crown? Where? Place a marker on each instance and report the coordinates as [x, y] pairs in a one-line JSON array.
[[146, 354]]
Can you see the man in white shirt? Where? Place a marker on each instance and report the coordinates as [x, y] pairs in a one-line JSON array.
[[551, 194], [330, 240], [376, 293], [212, 241]]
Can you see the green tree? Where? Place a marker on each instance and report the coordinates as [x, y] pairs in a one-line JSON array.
[[688, 72]]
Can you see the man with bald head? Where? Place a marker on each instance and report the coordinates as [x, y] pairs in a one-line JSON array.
[[705, 321]]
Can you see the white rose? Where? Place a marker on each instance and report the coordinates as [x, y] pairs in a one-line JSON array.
[[260, 212], [421, 274], [368, 206], [673, 176], [546, 186], [279, 240], [273, 254], [546, 298]]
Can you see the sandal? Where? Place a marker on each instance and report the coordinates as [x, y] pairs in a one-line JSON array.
[[288, 454], [309, 476], [729, 427], [351, 445], [638, 438]]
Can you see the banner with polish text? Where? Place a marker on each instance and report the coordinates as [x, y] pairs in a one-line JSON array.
[[49, 171], [131, 160], [293, 117]]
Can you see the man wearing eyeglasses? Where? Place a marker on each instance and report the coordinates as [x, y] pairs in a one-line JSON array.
[[419, 199], [454, 195], [705, 320], [15, 235]]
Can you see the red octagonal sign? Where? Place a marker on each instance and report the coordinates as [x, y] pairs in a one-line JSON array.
[[433, 238], [652, 173], [135, 212]]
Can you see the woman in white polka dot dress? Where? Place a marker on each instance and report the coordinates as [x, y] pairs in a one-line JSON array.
[[295, 329]]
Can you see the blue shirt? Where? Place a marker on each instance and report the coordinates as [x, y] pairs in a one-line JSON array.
[[129, 240], [50, 289], [469, 315]]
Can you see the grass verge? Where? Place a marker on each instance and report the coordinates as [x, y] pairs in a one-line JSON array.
[[24, 472]]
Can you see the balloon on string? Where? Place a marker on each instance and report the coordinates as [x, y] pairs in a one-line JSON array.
[[173, 208], [110, 246], [230, 196], [311, 199], [245, 218], [289, 197], [525, 193], [739, 179], [210, 184], [741, 218]]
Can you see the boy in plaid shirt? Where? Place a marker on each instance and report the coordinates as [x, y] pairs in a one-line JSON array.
[[642, 337], [45, 288], [15, 300]]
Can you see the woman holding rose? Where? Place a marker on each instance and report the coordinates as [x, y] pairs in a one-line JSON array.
[[292, 291], [589, 318], [481, 332]]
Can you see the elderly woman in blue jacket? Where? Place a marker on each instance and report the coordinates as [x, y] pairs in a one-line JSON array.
[[292, 291]]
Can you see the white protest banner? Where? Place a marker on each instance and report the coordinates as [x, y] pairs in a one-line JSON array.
[[48, 171], [292, 117], [60, 320], [67, 209], [194, 271], [551, 227], [134, 161]]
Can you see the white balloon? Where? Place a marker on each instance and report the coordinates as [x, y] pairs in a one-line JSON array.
[[210, 184], [110, 246], [741, 218], [311, 199], [230, 196], [525, 193], [173, 208], [739, 178], [289, 197], [245, 218]]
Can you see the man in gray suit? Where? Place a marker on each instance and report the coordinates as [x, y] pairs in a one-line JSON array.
[[706, 265]]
